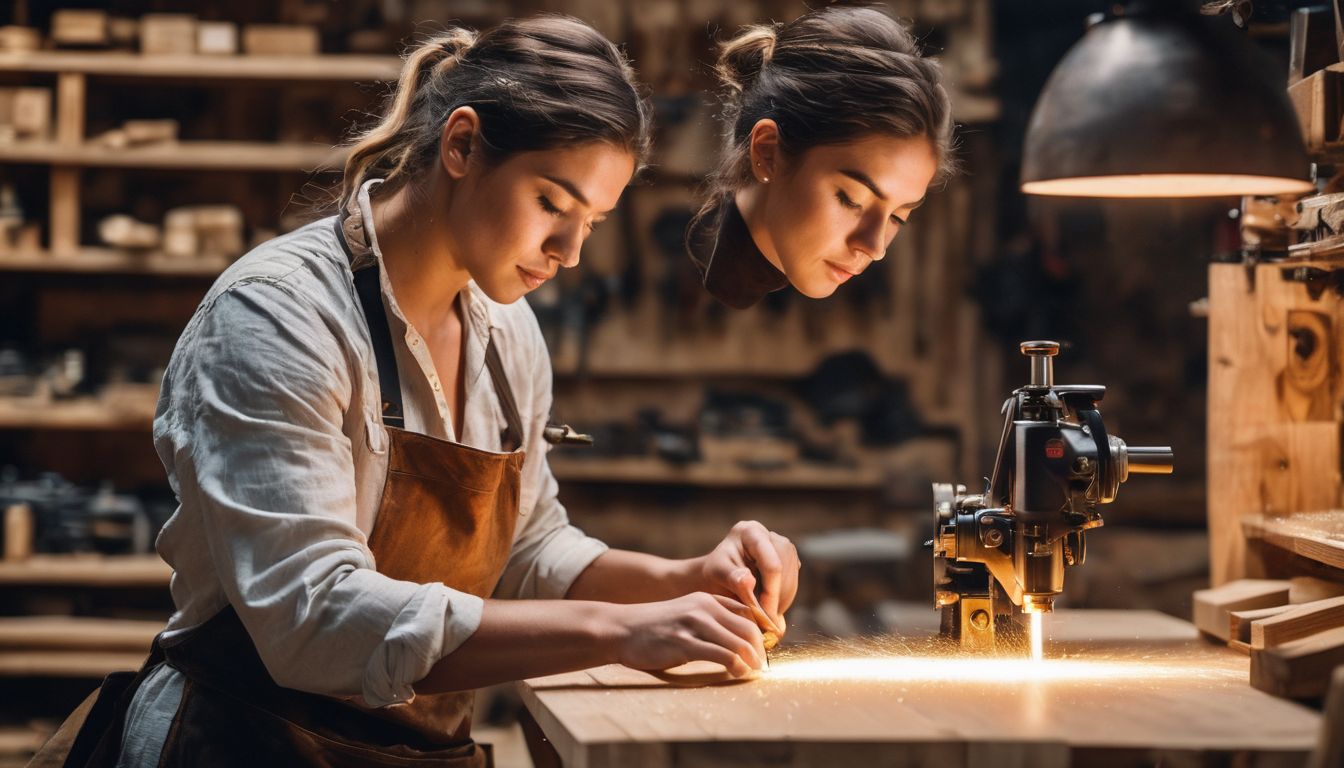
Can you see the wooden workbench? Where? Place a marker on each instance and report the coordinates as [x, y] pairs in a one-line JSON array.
[[1117, 688]]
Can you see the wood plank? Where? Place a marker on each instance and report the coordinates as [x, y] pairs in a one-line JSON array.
[[1317, 536], [1148, 677], [1298, 669], [327, 67], [78, 664], [205, 155], [87, 571], [1297, 622], [85, 414], [1240, 622], [112, 261], [77, 633], [1213, 607], [1305, 589]]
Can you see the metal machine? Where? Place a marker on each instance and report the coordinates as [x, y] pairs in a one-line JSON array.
[[1001, 554]]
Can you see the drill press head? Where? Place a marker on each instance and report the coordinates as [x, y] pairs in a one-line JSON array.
[[1000, 554]]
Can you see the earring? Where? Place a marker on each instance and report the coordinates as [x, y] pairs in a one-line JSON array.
[[765, 179]]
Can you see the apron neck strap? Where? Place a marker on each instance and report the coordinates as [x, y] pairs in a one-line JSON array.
[[368, 286]]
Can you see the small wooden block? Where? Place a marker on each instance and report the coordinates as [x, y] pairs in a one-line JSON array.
[[1298, 622], [15, 39], [1213, 607], [218, 38], [125, 232], [1298, 669], [149, 131], [79, 28], [1305, 589], [280, 40], [31, 113], [1240, 622], [167, 34]]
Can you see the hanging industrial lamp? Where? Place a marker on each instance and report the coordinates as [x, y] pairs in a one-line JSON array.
[[1158, 101]]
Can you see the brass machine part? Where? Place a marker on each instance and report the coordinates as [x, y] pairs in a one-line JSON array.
[[1002, 554]]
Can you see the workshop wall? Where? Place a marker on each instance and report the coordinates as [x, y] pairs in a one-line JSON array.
[[126, 187]]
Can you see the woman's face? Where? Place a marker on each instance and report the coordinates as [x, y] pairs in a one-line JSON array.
[[833, 210], [515, 223]]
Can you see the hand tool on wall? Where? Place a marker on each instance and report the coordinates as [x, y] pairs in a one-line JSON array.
[[1000, 554]]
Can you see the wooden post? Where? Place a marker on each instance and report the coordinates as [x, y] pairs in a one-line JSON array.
[[1274, 406], [64, 193]]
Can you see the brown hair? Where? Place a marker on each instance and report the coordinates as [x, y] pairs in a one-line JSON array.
[[827, 77], [537, 83]]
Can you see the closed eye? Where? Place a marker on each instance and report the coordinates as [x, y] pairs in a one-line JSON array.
[[846, 200], [548, 206]]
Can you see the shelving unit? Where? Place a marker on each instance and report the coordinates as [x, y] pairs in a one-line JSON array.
[[70, 151]]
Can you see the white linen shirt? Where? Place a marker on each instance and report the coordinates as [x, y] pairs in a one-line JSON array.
[[268, 424]]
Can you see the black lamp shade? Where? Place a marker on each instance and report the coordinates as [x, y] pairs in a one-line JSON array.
[[1162, 102]]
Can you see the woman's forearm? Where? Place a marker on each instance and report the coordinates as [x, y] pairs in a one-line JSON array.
[[518, 639], [619, 576]]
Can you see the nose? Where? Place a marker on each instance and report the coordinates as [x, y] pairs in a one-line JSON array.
[[564, 246], [870, 238]]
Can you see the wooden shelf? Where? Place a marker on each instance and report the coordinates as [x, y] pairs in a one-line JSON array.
[[68, 664], [326, 67], [77, 633], [86, 570], [201, 155], [1317, 536], [655, 471], [86, 414], [111, 260]]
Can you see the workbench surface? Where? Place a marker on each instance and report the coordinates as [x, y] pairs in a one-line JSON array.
[[1116, 688]]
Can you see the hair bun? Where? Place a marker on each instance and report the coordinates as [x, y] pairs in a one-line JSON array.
[[742, 58]]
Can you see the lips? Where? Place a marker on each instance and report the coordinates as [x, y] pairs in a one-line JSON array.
[[842, 273], [533, 279]]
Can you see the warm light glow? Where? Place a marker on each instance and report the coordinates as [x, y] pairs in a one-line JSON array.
[[1169, 185], [1037, 637], [980, 670]]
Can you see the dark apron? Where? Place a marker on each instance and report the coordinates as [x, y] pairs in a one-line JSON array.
[[447, 515]]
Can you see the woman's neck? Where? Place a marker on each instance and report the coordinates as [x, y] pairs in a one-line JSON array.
[[750, 201], [418, 253]]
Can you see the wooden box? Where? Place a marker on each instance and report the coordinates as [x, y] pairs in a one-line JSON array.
[[167, 34], [217, 37], [79, 28], [280, 40]]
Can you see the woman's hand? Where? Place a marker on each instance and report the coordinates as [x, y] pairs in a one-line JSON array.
[[750, 549], [695, 627]]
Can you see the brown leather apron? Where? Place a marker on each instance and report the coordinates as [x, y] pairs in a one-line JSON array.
[[447, 515]]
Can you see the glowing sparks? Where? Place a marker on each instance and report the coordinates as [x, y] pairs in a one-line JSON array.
[[1037, 638], [972, 670]]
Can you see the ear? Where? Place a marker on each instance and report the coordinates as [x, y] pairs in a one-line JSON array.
[[764, 150], [458, 140]]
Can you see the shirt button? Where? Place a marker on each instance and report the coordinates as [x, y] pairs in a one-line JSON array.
[[435, 384], [414, 341]]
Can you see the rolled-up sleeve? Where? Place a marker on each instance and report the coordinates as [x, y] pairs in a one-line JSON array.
[[548, 552], [251, 427]]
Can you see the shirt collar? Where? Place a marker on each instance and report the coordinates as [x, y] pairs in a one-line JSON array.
[[357, 224]]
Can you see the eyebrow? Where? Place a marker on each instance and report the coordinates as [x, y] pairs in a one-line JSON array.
[[868, 182], [569, 187]]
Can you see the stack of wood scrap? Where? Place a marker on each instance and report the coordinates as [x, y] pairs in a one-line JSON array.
[[137, 133], [1293, 630]]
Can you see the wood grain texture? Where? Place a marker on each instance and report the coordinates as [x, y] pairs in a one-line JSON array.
[[1214, 606], [1298, 622], [1180, 696], [1298, 669]]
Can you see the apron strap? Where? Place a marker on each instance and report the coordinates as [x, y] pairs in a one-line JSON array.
[[368, 286], [512, 438]]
